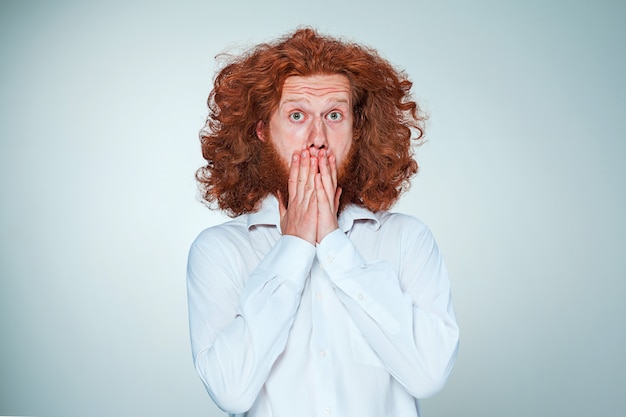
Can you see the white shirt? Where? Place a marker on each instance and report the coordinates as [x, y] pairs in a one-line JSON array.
[[360, 325]]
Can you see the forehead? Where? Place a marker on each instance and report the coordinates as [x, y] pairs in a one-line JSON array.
[[317, 86]]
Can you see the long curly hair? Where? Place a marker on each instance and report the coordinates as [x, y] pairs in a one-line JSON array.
[[248, 89]]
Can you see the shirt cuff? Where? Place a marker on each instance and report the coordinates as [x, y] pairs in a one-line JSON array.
[[338, 255], [291, 258]]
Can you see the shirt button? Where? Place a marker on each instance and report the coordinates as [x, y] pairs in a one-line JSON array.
[[330, 259], [327, 410], [320, 296], [322, 353], [360, 297]]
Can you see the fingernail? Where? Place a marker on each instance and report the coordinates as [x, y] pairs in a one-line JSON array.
[[295, 157], [304, 154]]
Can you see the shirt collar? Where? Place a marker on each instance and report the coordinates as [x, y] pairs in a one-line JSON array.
[[352, 214], [268, 215]]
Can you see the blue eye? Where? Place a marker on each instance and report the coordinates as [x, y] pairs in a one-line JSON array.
[[335, 116], [296, 116]]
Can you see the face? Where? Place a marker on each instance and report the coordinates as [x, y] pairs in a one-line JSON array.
[[314, 113]]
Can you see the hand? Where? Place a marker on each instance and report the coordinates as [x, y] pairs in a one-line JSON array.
[[300, 217], [311, 211], [327, 194]]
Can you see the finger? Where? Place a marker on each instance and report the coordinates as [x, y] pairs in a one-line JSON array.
[[332, 163], [326, 177], [309, 187], [324, 204], [320, 192], [323, 163], [313, 170], [281, 206], [303, 174], [313, 200], [337, 198], [292, 183], [327, 216]]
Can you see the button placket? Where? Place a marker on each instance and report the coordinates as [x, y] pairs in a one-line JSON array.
[[321, 341]]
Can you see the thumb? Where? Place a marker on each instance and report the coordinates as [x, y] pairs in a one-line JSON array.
[[281, 206], [337, 198]]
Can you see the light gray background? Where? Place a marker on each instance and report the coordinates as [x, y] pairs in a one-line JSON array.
[[522, 182]]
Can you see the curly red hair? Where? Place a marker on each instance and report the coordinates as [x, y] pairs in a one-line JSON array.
[[248, 89]]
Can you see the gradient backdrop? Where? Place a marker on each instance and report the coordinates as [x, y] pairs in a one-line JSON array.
[[522, 182]]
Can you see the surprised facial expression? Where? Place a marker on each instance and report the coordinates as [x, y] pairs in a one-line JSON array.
[[314, 113]]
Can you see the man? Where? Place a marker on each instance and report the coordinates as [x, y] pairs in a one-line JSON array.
[[314, 300]]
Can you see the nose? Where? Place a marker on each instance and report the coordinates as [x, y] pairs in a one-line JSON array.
[[317, 137]]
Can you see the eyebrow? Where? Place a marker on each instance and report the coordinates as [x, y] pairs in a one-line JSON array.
[[306, 100]]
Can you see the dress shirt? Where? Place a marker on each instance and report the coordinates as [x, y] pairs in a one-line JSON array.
[[361, 324]]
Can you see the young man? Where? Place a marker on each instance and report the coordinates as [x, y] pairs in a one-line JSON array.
[[315, 300]]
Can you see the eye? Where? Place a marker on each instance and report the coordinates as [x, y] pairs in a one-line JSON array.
[[296, 116], [335, 116]]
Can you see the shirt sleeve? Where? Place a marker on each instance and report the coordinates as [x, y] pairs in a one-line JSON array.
[[404, 312], [239, 327]]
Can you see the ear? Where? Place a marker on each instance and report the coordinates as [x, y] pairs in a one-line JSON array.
[[260, 130]]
